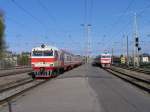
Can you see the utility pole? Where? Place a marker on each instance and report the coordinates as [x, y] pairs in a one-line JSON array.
[[112, 55], [127, 51], [88, 42], [136, 43], [123, 45]]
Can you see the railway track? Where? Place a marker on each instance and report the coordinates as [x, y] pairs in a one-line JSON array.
[[13, 68], [139, 80], [14, 72], [13, 84], [141, 70], [8, 93], [16, 88], [11, 89]]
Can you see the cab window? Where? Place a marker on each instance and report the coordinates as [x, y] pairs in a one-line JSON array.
[[48, 53], [56, 54], [37, 53]]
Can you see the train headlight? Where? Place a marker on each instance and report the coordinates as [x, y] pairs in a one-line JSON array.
[[32, 65], [42, 69]]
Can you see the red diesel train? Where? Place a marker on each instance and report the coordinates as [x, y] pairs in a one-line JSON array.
[[104, 60], [49, 61]]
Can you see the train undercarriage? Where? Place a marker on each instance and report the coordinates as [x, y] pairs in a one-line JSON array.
[[44, 73], [105, 65]]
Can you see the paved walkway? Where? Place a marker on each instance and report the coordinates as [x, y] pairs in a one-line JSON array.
[[60, 95]]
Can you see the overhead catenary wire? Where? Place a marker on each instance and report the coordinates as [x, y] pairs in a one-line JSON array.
[[88, 8], [91, 11], [47, 11], [53, 19], [18, 23], [49, 14], [14, 21], [138, 14], [141, 12], [121, 17], [85, 11], [29, 14]]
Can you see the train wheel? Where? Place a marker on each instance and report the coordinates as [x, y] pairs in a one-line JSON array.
[[55, 73], [33, 76], [61, 71]]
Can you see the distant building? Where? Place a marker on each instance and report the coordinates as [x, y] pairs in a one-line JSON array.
[[145, 58], [9, 60]]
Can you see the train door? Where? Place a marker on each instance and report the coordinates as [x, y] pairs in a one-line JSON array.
[[56, 55], [62, 58]]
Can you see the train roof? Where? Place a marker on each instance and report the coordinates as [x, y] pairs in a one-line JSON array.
[[105, 54], [45, 47]]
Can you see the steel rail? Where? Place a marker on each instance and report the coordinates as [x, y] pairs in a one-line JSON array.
[[10, 73], [9, 98], [141, 70], [140, 83], [13, 84]]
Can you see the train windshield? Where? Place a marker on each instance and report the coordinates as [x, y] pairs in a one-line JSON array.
[[105, 56], [37, 53], [48, 53], [42, 53]]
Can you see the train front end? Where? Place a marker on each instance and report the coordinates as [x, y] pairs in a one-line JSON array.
[[105, 60], [44, 62]]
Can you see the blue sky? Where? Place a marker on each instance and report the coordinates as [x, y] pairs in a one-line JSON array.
[[58, 23]]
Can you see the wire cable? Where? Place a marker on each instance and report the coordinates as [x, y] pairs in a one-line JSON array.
[[120, 18], [46, 10], [29, 14]]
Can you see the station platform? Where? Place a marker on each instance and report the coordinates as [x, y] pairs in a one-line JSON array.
[[83, 89]]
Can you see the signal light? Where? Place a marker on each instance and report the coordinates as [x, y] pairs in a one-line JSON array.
[[136, 39], [139, 48]]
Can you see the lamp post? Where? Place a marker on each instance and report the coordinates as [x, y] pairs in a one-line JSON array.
[[87, 29]]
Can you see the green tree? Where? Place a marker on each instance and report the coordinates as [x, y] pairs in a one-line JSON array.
[[24, 59], [2, 29]]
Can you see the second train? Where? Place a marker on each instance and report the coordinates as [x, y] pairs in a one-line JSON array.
[[104, 60]]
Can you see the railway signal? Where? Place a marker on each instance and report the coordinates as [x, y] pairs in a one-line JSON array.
[[139, 48], [136, 43]]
